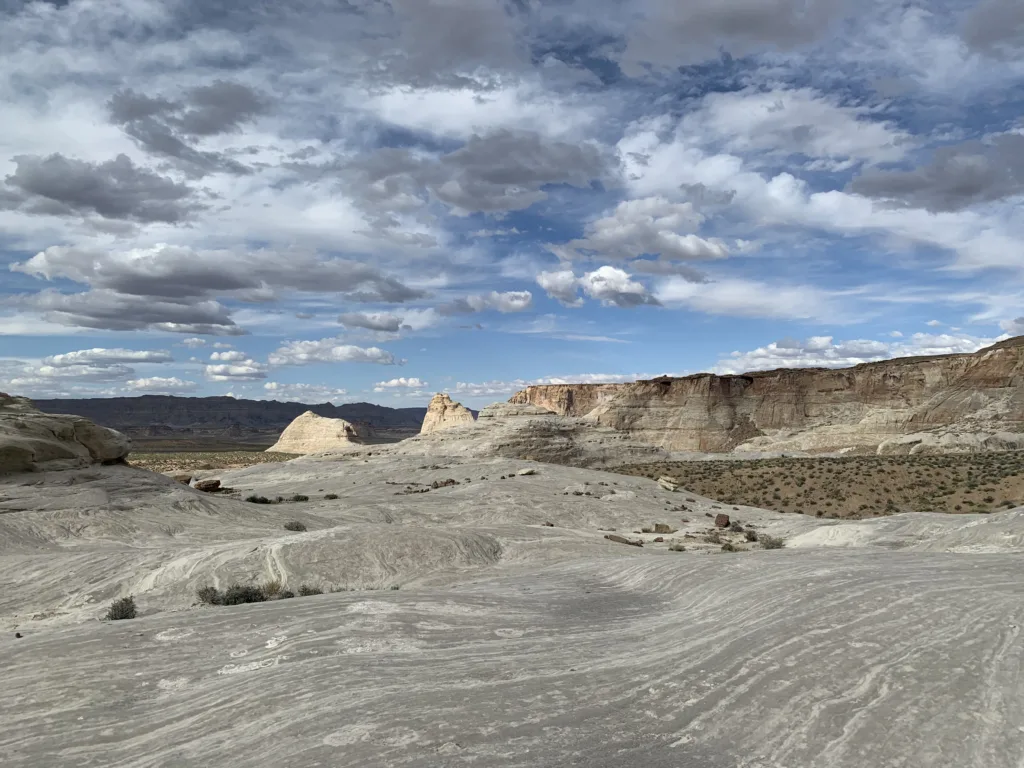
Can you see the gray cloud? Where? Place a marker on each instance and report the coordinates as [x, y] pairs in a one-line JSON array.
[[957, 177], [995, 27], [117, 189], [372, 321], [501, 171], [175, 273], [165, 128], [109, 310], [669, 32], [509, 301], [100, 356]]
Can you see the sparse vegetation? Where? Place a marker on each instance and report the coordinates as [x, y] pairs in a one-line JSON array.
[[771, 542], [854, 486], [255, 499], [299, 497], [121, 609], [305, 590], [331, 496], [295, 525]]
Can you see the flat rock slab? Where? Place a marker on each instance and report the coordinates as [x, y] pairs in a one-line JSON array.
[[793, 659]]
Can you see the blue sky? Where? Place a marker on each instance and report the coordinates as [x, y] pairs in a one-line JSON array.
[[369, 200]]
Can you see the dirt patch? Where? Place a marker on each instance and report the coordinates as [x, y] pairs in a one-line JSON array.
[[855, 486], [198, 460]]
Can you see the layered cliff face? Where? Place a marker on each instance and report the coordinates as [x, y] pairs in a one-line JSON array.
[[815, 409], [31, 440], [568, 399], [444, 413], [310, 433]]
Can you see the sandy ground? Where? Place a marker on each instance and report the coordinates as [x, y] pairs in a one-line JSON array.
[[887, 642]]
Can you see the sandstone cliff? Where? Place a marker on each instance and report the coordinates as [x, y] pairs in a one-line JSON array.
[[816, 409], [310, 433], [444, 413], [568, 399], [31, 440]]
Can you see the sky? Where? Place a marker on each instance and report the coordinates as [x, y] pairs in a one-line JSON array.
[[376, 200]]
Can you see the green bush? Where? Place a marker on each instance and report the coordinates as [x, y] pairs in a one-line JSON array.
[[750, 535], [238, 594], [210, 595], [772, 542], [294, 525], [299, 497], [305, 590], [121, 609], [331, 496], [254, 499]]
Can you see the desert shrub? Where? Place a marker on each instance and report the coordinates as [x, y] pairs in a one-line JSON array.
[[331, 496], [713, 538], [730, 547], [237, 594], [395, 586], [305, 590], [676, 547], [299, 497], [285, 594], [750, 535], [772, 542], [210, 595], [271, 589], [294, 525], [121, 609], [647, 529], [735, 526], [254, 499]]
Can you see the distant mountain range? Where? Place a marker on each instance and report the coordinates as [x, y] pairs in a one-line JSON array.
[[197, 420]]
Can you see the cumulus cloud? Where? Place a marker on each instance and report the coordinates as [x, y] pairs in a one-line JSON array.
[[747, 298], [330, 350], [504, 302], [825, 352], [1013, 327], [399, 383], [229, 356], [562, 285], [100, 356], [116, 189], [609, 285], [245, 369], [303, 393], [646, 226], [193, 343], [372, 321], [957, 177], [163, 385]]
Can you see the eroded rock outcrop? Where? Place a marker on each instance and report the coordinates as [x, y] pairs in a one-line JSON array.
[[31, 440], [310, 433], [814, 409], [444, 413]]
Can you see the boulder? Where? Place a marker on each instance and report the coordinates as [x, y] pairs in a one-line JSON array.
[[444, 413], [722, 521], [668, 483], [208, 486], [31, 440], [310, 433]]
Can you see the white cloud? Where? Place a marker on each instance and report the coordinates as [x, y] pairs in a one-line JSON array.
[[781, 122], [193, 343], [1013, 327], [303, 393], [400, 383], [230, 356], [562, 285], [747, 298], [241, 370], [161, 384], [933, 323], [614, 287], [651, 225], [100, 356], [824, 352], [330, 350], [505, 302]]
